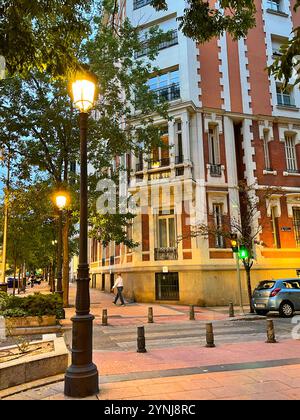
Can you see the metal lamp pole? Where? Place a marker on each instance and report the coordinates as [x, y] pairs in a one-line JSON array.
[[82, 378], [59, 289]]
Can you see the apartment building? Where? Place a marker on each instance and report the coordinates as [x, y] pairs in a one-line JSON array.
[[230, 122]]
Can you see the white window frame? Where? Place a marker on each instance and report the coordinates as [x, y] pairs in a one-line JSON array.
[[266, 139], [166, 217], [290, 152], [218, 223], [214, 145]]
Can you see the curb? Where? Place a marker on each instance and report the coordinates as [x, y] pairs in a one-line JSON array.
[[31, 385]]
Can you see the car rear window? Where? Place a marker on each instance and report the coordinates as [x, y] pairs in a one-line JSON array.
[[265, 285]]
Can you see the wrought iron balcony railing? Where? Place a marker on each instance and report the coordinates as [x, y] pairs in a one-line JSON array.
[[153, 164], [215, 170], [137, 4], [168, 93], [166, 44], [164, 254]]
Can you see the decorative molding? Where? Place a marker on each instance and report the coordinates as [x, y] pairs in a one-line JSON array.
[[213, 119], [289, 129], [264, 126], [292, 200], [274, 201], [217, 197]]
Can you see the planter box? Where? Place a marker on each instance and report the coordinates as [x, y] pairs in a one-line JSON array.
[[31, 321], [31, 368]]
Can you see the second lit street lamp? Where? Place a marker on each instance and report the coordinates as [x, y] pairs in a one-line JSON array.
[[82, 378]]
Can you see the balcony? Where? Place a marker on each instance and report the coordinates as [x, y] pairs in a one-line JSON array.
[[215, 169], [137, 4], [154, 164], [165, 254], [168, 93], [166, 44]]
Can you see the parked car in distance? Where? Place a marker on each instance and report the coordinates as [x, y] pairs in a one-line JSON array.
[[282, 295], [10, 282]]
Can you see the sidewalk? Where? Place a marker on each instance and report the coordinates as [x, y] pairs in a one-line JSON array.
[[238, 370], [137, 313]]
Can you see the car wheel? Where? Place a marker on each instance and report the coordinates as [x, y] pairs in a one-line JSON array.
[[286, 309], [261, 312]]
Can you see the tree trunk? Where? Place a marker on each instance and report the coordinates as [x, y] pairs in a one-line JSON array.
[[248, 275], [15, 274], [66, 261], [19, 277]]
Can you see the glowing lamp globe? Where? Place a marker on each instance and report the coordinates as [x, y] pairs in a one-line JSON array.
[[84, 91], [61, 201]]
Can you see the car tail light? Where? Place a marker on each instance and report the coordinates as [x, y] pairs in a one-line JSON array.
[[275, 292]]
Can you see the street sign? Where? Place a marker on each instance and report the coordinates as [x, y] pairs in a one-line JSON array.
[[286, 229]]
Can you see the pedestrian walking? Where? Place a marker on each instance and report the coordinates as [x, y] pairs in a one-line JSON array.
[[119, 285]]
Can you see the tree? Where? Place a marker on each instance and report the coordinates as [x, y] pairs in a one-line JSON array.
[[43, 35], [248, 224], [37, 113]]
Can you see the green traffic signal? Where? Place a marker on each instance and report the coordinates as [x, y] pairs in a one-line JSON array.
[[243, 252]]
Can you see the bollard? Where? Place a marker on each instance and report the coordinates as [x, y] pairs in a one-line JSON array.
[[231, 310], [270, 332], [141, 340], [209, 335], [192, 313], [104, 317], [150, 315]]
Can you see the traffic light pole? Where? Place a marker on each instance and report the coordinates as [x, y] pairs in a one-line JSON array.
[[238, 274]]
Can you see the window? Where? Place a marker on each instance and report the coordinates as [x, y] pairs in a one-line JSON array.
[[275, 228], [296, 219], [266, 150], [94, 250], [166, 231], [167, 286], [179, 150], [274, 5], [284, 97], [137, 4], [166, 86], [214, 151], [218, 223], [160, 155], [290, 154]]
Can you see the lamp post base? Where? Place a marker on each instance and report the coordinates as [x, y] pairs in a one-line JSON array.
[[81, 382]]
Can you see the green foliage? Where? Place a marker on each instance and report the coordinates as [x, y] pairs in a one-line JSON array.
[[33, 305], [112, 227], [287, 64], [43, 35], [201, 22]]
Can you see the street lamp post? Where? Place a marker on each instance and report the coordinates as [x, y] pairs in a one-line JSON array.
[[82, 378]]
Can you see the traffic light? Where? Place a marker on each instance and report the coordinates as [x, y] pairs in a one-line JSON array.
[[243, 252], [234, 242]]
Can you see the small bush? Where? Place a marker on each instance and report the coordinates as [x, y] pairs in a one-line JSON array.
[[32, 305]]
